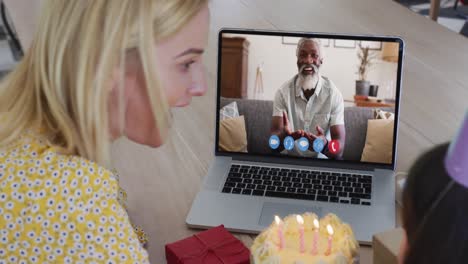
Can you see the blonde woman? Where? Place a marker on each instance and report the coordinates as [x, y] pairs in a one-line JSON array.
[[95, 71]]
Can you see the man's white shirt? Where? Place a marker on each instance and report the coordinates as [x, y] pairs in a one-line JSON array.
[[324, 108]]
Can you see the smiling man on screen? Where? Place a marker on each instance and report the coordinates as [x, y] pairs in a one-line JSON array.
[[309, 106]]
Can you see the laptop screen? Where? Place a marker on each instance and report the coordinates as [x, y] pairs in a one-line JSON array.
[[308, 96]]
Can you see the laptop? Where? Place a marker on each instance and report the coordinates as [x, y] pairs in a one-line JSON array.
[[274, 89]]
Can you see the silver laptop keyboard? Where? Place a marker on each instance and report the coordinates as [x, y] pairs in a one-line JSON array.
[[323, 186]]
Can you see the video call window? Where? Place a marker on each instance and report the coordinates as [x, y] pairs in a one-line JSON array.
[[308, 97]]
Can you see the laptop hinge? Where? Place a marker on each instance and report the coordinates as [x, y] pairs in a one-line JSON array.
[[308, 163]]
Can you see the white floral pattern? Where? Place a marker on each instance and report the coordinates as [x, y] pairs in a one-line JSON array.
[[61, 209]]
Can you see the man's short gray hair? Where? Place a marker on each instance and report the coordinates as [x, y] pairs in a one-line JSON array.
[[314, 40]]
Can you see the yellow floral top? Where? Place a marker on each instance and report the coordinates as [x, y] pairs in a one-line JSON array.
[[61, 209]]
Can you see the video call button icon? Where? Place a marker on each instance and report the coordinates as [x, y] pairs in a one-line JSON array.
[[334, 146], [274, 142], [318, 145], [288, 143], [303, 144]]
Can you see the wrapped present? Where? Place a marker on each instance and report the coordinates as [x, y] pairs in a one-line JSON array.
[[213, 246]]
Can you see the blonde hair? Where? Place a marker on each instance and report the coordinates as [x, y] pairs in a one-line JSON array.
[[62, 83]]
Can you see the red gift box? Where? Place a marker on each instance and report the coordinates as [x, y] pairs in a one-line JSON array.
[[213, 246]]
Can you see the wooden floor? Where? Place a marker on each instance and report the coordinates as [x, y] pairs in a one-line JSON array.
[[162, 182]]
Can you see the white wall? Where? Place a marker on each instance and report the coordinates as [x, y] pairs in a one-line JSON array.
[[24, 14], [339, 65]]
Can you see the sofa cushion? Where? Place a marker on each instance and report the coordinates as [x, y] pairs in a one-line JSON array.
[[379, 141], [232, 135], [228, 111], [257, 114], [356, 129]]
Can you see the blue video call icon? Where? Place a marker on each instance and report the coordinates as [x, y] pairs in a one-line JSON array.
[[303, 144], [274, 142], [288, 143], [318, 145]]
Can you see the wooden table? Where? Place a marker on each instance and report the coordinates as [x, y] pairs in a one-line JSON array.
[[365, 101], [161, 183]]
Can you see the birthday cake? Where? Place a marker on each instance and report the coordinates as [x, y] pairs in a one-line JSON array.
[[306, 239]]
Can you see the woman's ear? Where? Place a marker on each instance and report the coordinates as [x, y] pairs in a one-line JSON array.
[[114, 80], [117, 101], [125, 74], [403, 249], [113, 104]]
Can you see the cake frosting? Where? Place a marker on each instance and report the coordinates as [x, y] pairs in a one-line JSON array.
[[344, 250]]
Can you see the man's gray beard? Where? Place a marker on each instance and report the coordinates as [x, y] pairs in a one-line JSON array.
[[308, 82]]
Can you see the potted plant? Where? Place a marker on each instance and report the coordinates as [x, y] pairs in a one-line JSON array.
[[365, 61]]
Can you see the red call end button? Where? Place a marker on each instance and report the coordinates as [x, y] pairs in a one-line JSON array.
[[334, 146]]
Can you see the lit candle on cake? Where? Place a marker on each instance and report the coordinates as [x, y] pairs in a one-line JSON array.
[[316, 233], [300, 221], [342, 246], [330, 238], [279, 224]]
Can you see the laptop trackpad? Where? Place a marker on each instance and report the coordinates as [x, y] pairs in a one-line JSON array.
[[270, 209]]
